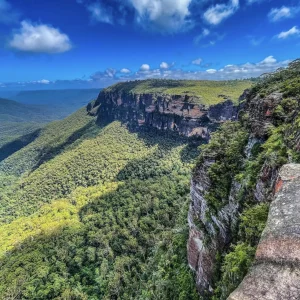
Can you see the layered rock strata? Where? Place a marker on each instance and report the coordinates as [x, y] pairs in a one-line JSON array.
[[165, 112]]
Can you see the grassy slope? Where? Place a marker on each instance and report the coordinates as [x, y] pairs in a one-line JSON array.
[[207, 92]]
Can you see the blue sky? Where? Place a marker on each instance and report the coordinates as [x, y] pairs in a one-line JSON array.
[[94, 43]]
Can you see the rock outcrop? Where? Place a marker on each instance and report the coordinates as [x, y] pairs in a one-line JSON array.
[[276, 272], [208, 235], [165, 112], [270, 121]]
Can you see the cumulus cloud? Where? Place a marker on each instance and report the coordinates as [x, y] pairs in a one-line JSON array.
[[144, 68], [164, 65], [108, 74], [230, 71], [7, 14], [100, 13], [294, 31], [197, 61], [269, 60], [111, 76], [125, 71], [219, 12], [211, 71], [163, 15], [39, 38]]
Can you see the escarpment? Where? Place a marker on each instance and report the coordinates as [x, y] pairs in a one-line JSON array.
[[276, 272], [179, 113], [234, 183]]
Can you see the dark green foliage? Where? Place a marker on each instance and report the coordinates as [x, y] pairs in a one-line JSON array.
[[283, 80], [234, 268], [119, 232], [226, 149], [253, 221]]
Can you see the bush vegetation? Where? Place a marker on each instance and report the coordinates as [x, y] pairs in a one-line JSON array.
[[205, 92]]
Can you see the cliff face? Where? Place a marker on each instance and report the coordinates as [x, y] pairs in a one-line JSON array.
[[164, 112], [276, 272], [226, 195]]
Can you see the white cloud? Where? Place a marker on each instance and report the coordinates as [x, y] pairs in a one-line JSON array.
[[197, 61], [144, 68], [110, 76], [125, 71], [269, 60], [163, 15], [39, 39], [277, 14], [294, 31], [100, 13], [7, 14], [164, 65], [44, 81], [211, 71], [219, 12]]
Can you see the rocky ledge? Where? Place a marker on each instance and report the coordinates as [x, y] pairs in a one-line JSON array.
[[276, 271], [165, 112]]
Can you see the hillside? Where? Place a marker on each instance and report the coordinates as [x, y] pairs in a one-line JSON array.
[[200, 91], [17, 123], [101, 206], [21, 120]]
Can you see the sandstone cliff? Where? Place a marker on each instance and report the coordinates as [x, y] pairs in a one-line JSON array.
[[276, 271], [178, 113]]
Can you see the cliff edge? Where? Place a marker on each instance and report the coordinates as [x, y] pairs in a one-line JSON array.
[[148, 103], [276, 270]]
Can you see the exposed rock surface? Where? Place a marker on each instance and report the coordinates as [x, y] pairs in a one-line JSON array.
[[164, 112], [217, 230], [213, 234], [276, 273], [261, 110]]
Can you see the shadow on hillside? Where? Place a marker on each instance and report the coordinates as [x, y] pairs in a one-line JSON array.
[[51, 152], [17, 144]]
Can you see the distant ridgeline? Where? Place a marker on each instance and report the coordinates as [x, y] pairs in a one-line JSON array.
[[191, 108], [22, 117]]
